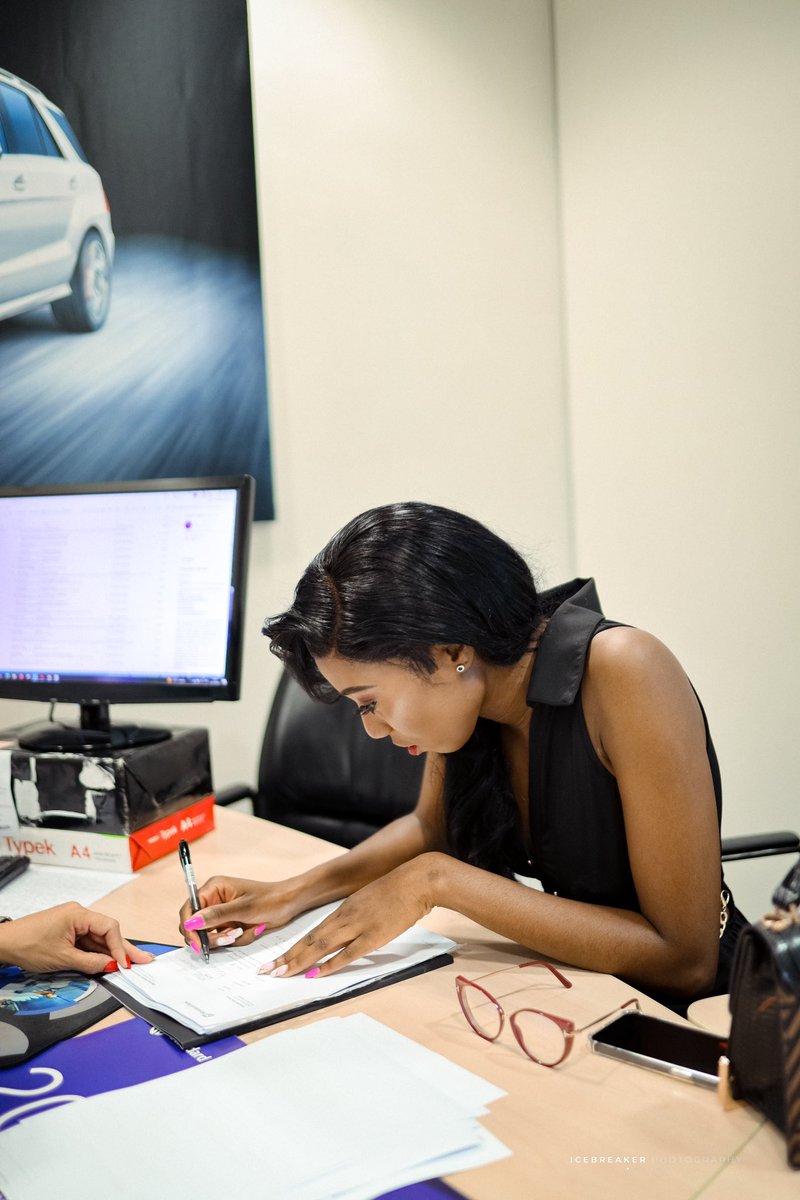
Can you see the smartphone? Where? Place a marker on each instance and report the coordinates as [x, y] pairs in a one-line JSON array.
[[676, 1050]]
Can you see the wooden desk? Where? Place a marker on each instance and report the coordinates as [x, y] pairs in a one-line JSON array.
[[591, 1128]]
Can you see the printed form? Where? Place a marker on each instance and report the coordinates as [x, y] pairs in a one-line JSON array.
[[228, 991]]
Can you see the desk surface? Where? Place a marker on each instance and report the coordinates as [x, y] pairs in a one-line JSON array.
[[591, 1127]]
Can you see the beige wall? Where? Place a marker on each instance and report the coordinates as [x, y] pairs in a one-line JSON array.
[[433, 237], [408, 207], [680, 170], [408, 202]]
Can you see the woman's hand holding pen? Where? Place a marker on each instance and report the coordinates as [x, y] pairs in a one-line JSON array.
[[362, 923], [238, 910]]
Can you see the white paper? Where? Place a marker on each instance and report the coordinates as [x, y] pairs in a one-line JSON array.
[[459, 1085], [228, 992], [487, 1149], [42, 887], [305, 1114]]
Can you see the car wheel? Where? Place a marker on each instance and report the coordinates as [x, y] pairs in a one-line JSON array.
[[87, 308]]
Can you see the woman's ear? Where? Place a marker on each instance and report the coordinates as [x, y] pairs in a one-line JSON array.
[[459, 656]]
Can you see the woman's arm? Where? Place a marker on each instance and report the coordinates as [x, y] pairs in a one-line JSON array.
[[398, 842], [229, 902], [67, 938], [648, 728], [646, 724]]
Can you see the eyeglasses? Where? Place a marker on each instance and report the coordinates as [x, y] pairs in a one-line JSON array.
[[545, 1038]]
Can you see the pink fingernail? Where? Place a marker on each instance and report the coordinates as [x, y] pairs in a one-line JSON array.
[[313, 973], [259, 929], [195, 947], [280, 970], [194, 923]]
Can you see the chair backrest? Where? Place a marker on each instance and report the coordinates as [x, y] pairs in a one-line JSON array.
[[321, 773]]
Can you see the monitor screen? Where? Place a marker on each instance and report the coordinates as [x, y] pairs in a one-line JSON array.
[[123, 592]]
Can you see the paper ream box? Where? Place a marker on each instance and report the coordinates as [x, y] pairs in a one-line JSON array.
[[107, 812], [109, 851], [162, 837]]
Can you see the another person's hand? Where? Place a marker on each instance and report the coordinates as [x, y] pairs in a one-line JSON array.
[[362, 923], [239, 910], [68, 937]]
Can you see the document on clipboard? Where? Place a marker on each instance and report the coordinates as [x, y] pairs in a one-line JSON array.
[[193, 1002]]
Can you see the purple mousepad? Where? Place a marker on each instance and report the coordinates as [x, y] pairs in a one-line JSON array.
[[430, 1189], [120, 1056]]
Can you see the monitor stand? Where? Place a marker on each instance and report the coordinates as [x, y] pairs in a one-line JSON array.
[[94, 735]]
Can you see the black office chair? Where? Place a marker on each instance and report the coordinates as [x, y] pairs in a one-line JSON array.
[[321, 774], [759, 845]]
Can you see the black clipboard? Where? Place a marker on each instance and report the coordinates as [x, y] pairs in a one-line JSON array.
[[187, 1038]]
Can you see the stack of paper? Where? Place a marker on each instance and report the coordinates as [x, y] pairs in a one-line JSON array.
[[41, 887], [229, 994], [344, 1107]]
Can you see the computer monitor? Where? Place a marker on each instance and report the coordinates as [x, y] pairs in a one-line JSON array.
[[127, 592]]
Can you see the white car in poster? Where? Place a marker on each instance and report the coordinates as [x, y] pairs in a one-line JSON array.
[[56, 241]]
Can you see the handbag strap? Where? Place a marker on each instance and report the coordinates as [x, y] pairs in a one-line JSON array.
[[787, 892]]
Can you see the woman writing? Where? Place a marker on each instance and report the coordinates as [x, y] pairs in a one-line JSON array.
[[558, 746]]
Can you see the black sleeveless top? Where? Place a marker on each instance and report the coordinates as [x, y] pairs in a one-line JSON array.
[[578, 845]]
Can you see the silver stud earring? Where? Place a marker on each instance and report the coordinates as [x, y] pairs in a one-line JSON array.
[[461, 668]]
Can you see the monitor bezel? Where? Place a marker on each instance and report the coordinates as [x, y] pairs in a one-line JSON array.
[[153, 691]]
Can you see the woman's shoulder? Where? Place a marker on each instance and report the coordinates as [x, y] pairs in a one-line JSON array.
[[627, 661], [618, 646], [634, 686]]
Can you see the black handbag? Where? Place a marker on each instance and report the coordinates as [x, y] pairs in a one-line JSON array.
[[764, 1042]]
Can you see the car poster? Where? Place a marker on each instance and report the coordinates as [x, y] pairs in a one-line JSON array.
[[131, 314]]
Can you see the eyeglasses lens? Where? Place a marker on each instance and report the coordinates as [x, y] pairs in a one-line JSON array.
[[481, 1011], [541, 1037]]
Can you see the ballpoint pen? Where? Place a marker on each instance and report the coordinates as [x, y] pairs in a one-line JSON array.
[[191, 883]]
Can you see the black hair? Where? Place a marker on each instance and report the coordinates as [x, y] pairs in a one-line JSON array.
[[388, 587]]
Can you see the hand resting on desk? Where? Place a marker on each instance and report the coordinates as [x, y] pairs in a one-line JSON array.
[[68, 937]]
